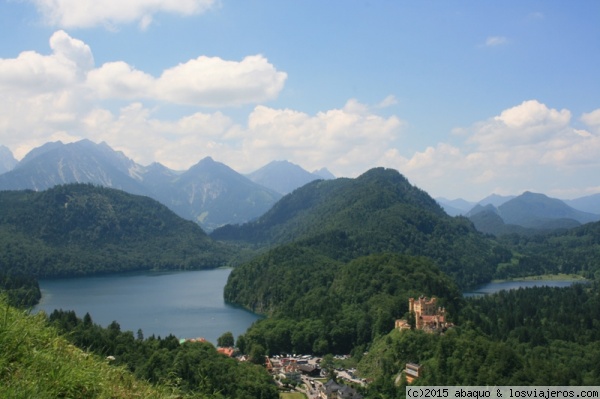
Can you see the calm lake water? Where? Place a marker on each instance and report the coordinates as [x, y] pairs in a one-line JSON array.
[[186, 304], [491, 288]]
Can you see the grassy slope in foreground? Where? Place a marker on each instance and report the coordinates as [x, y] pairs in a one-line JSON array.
[[35, 362]]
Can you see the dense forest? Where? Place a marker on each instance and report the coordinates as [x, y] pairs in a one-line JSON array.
[[335, 307], [193, 367], [380, 211], [351, 252], [332, 264], [78, 229], [340, 288], [533, 336], [21, 290], [572, 251]]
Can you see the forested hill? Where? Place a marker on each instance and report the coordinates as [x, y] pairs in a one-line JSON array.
[[573, 251], [351, 252], [340, 204], [380, 211], [82, 229]]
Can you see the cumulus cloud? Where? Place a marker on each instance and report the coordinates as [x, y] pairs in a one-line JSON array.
[[526, 146], [70, 98], [110, 13], [348, 140], [212, 81], [33, 72], [592, 119], [204, 81], [527, 123], [63, 94], [119, 80]]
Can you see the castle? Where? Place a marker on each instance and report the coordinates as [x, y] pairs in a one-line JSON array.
[[428, 316]]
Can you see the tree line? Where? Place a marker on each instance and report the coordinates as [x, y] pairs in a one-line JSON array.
[[193, 367], [532, 336]]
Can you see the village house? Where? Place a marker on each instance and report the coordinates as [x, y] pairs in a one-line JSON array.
[[412, 371], [333, 390], [226, 350]]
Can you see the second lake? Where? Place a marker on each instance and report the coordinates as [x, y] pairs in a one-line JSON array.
[[494, 287]]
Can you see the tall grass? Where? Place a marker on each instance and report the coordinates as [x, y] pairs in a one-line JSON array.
[[35, 362]]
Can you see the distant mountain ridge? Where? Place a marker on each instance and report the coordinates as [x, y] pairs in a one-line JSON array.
[[284, 177], [528, 213], [460, 206], [590, 203], [7, 160], [210, 193], [528, 209], [213, 194], [81, 162], [455, 207]]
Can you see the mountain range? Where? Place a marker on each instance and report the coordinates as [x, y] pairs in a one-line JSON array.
[[459, 206], [214, 195], [284, 177], [209, 193], [7, 160], [527, 213]]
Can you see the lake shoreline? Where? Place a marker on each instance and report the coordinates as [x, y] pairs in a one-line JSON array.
[[187, 304], [543, 277]]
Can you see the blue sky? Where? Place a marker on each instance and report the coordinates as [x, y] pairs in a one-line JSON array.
[[465, 98]]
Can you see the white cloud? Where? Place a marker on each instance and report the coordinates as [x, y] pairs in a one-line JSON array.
[[524, 147], [345, 141], [212, 81], [64, 94], [388, 102], [493, 41], [592, 119], [119, 80], [41, 94], [204, 81], [139, 134], [31, 81], [110, 13], [33, 72], [527, 123]]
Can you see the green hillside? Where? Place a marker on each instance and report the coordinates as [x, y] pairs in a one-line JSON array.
[[347, 254], [380, 211], [195, 368], [35, 362], [76, 230], [533, 336], [89, 361], [340, 204], [321, 306], [573, 251]]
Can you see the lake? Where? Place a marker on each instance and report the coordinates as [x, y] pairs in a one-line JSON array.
[[186, 304], [493, 287]]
